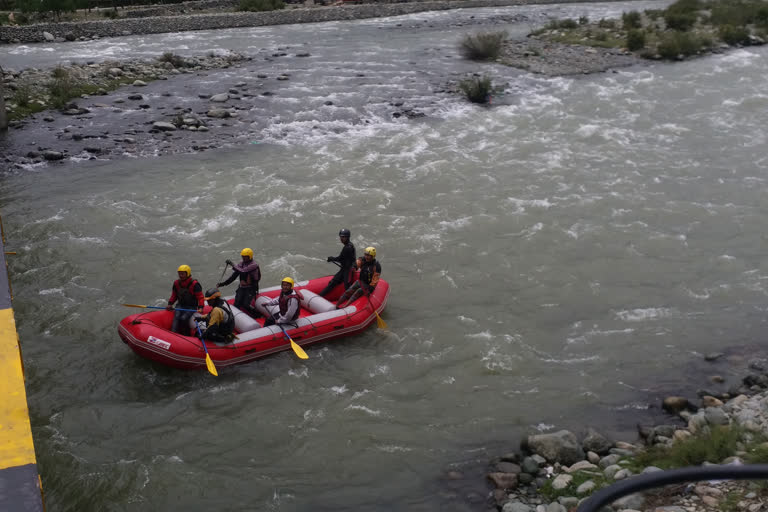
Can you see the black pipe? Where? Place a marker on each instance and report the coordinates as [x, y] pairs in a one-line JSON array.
[[647, 481]]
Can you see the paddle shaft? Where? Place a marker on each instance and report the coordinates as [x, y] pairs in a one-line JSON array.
[[158, 307]]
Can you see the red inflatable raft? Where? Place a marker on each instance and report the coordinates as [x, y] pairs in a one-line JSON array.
[[149, 335]]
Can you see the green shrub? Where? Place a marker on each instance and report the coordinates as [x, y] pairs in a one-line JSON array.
[[604, 23], [62, 90], [583, 20], [176, 60], [22, 96], [260, 5], [635, 40], [653, 14], [734, 35], [477, 89], [631, 19], [681, 21], [568, 23], [110, 13], [601, 36], [59, 72], [685, 6], [675, 44], [483, 45]]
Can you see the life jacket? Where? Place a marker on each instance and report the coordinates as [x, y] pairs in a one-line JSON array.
[[228, 325], [370, 272], [250, 274], [283, 303], [186, 294]]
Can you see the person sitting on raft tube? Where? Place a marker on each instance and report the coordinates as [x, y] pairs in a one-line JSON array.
[[289, 302], [189, 294], [250, 275], [346, 260], [220, 320], [370, 272]]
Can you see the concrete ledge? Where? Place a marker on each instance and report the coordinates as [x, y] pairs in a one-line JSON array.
[[19, 481]]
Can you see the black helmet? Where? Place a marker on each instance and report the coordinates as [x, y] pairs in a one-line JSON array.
[[345, 232], [212, 294]]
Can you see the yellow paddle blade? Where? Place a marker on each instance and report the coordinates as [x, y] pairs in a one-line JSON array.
[[380, 322], [209, 364], [135, 305], [299, 351]]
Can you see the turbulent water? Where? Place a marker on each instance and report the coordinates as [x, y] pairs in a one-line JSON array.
[[560, 259]]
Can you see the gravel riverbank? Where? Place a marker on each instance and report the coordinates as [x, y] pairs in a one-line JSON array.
[[71, 31], [556, 472]]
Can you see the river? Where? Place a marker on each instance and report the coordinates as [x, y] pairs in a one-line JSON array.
[[561, 259]]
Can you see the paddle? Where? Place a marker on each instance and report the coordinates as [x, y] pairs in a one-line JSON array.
[[295, 346], [226, 264], [158, 307], [208, 361], [380, 323]]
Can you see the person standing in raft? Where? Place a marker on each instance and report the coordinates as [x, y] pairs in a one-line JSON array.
[[250, 275], [346, 260], [220, 320], [189, 294], [288, 301], [370, 272]]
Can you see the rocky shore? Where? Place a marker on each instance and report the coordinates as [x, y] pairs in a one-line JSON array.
[[556, 472]]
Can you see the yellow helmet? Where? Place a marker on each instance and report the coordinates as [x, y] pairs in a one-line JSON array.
[[185, 268], [247, 252], [288, 280], [371, 251]]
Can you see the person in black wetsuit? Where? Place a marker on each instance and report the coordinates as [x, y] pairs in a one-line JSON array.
[[346, 260]]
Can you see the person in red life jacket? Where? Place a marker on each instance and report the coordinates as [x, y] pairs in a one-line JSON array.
[[220, 321], [346, 260], [370, 272], [250, 275], [189, 294], [288, 301]]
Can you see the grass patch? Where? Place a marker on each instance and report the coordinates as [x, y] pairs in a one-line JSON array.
[[483, 45], [719, 445], [22, 96], [551, 494], [477, 89]]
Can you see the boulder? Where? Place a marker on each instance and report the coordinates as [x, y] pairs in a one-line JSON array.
[[561, 446]]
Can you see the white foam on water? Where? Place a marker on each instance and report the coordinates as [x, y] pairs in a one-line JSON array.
[[339, 390], [392, 448], [52, 291], [362, 408], [90, 240]]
